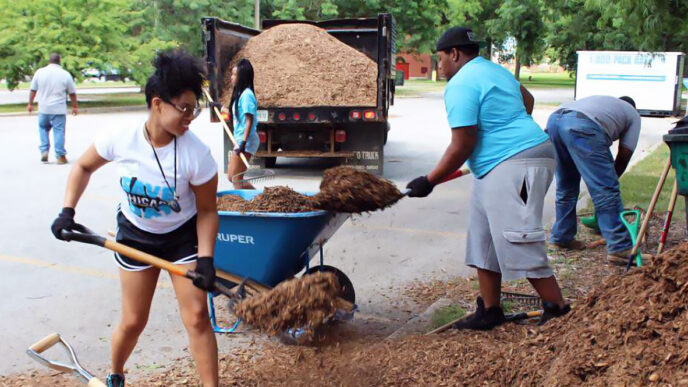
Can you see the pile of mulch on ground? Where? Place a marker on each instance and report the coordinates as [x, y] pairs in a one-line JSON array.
[[631, 330], [304, 302], [345, 189], [300, 65], [273, 199]]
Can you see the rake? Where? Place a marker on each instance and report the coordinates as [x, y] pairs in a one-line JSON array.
[[251, 174]]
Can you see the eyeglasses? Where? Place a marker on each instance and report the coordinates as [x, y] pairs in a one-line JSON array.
[[186, 111]]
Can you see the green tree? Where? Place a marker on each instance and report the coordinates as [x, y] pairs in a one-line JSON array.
[[30, 31], [523, 21], [574, 25], [417, 21], [475, 14], [300, 9], [651, 25], [179, 21]]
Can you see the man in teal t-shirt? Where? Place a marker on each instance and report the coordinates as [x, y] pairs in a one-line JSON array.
[[512, 160]]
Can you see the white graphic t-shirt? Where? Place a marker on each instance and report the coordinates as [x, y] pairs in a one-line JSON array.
[[146, 200]]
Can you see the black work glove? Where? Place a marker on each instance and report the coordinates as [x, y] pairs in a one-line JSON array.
[[64, 221], [215, 105], [206, 279], [241, 148], [420, 187]]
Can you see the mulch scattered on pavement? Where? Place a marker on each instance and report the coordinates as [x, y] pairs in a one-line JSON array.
[[624, 330], [345, 189]]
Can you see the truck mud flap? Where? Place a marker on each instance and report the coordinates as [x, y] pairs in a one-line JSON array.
[[366, 141]]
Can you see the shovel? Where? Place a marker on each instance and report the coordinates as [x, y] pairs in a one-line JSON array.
[[264, 174], [84, 235], [74, 367]]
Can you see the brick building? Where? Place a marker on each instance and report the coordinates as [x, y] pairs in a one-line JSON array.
[[415, 65]]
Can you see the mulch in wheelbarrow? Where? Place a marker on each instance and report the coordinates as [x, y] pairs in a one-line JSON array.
[[344, 189], [305, 302], [272, 199]]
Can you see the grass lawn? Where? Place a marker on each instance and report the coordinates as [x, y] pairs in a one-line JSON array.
[[414, 88], [82, 85], [95, 100], [547, 80], [638, 184]]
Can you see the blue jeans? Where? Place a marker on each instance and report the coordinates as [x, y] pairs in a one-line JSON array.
[[56, 122], [583, 151]]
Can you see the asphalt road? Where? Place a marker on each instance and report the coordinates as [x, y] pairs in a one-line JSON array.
[[48, 285]]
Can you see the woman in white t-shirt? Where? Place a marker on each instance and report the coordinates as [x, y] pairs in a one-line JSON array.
[[244, 108], [168, 183]]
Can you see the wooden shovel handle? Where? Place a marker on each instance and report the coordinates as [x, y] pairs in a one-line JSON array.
[[145, 258], [45, 343], [95, 382], [224, 126]]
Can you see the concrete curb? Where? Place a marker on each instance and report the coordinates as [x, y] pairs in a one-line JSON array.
[[421, 322], [94, 110]]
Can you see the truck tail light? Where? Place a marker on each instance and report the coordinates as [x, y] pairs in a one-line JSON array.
[[262, 136], [296, 116], [311, 116], [355, 115], [281, 117], [340, 135], [369, 115]]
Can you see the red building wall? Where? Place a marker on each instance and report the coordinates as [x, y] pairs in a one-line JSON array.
[[420, 65]]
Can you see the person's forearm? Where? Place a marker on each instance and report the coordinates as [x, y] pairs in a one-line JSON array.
[[528, 100], [620, 166], [453, 158], [76, 185], [623, 157], [249, 125], [206, 224], [32, 96], [74, 102]]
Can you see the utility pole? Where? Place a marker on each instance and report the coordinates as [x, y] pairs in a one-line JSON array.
[[256, 14]]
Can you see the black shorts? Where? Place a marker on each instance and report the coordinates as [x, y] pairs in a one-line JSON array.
[[179, 246]]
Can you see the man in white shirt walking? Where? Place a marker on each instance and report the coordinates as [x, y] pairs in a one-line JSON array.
[[51, 84]]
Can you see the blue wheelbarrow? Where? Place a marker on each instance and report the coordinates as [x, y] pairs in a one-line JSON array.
[[268, 247]]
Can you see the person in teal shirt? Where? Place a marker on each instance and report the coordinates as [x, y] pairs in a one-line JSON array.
[[244, 108], [513, 163]]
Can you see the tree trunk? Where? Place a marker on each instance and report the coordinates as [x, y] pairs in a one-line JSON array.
[[517, 69]]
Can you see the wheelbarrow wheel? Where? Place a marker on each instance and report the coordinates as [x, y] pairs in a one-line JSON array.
[[347, 288]]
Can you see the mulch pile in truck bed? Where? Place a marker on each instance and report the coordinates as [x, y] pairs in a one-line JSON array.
[[272, 199], [304, 302], [300, 65], [345, 189]]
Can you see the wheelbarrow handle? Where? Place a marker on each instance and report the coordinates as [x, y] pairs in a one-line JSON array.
[[456, 174]]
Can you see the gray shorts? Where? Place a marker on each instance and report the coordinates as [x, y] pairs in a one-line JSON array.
[[505, 232]]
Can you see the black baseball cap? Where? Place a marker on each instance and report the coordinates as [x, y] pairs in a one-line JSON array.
[[457, 37]]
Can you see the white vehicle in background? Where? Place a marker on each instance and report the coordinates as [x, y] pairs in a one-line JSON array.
[[653, 80]]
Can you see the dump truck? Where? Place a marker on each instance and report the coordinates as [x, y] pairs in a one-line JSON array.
[[355, 135]]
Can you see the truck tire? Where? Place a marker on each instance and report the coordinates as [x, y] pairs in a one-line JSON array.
[[268, 162]]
